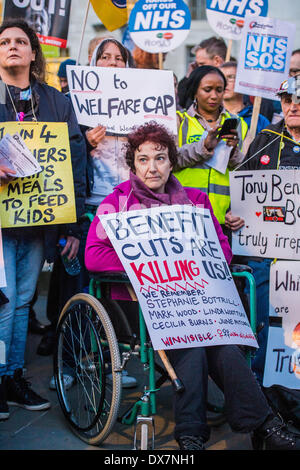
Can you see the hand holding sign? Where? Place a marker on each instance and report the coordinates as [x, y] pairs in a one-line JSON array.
[[15, 154], [94, 136], [6, 173]]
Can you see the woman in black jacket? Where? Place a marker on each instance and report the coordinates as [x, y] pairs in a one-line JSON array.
[[28, 98]]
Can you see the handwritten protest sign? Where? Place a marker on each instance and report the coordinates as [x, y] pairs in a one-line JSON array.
[[179, 273], [48, 18], [122, 98], [282, 365], [269, 203], [266, 47], [47, 197]]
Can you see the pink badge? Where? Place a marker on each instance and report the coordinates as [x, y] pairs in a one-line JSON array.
[[265, 159]]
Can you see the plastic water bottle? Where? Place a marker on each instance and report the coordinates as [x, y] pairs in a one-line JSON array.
[[71, 266]]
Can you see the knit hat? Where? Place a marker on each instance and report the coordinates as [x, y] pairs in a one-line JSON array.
[[62, 71]]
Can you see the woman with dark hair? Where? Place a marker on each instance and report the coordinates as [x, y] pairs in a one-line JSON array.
[[201, 150], [28, 98], [151, 155], [106, 168]]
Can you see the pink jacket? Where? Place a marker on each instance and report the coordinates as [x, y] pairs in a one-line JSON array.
[[99, 252]]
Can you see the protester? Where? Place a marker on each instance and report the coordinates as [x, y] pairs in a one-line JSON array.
[[22, 69], [151, 155], [234, 102], [211, 51], [276, 147], [106, 168], [62, 75], [295, 63], [147, 60], [198, 138], [92, 46]]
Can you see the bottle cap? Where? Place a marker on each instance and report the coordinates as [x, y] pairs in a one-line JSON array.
[[62, 242]]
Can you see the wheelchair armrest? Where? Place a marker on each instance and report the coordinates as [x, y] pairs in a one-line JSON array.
[[239, 268], [113, 276]]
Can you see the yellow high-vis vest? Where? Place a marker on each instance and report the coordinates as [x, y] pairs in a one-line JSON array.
[[202, 176]]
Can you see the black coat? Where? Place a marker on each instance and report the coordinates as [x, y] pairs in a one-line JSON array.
[[53, 106], [266, 148]]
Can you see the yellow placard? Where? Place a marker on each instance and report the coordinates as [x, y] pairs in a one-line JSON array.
[[48, 197]]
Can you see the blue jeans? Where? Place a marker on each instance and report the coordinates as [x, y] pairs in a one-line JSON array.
[[23, 258], [261, 273]]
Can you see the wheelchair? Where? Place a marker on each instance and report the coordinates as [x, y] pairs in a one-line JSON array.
[[87, 348]]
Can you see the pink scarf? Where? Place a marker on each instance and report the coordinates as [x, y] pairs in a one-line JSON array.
[[174, 193]]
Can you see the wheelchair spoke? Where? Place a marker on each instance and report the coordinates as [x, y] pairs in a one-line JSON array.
[[84, 349]]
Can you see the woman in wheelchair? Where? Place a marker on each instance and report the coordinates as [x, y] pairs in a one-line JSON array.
[[151, 156]]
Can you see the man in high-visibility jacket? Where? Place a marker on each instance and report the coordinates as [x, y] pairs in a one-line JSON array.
[[198, 141]]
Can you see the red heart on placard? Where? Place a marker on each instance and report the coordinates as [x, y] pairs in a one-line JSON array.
[[258, 213]]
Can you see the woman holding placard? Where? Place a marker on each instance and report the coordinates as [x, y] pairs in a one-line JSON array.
[[202, 151], [27, 98], [151, 155], [106, 164]]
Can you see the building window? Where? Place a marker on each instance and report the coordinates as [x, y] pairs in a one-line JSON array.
[[197, 9]]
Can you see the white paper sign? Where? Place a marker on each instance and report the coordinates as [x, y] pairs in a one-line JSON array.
[[177, 268], [269, 203], [264, 59], [121, 98], [15, 155], [282, 365]]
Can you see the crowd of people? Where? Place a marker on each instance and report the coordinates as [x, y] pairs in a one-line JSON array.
[[148, 166]]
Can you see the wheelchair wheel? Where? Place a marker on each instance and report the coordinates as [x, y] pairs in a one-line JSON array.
[[87, 349]]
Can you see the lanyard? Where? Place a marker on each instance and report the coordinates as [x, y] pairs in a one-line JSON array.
[[20, 116]]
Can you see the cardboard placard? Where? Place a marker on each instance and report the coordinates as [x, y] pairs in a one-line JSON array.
[[265, 52], [46, 198], [122, 98], [282, 365], [48, 18], [227, 17], [268, 201], [178, 271]]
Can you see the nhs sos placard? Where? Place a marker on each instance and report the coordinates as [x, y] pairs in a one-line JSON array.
[[159, 25], [265, 52], [226, 17]]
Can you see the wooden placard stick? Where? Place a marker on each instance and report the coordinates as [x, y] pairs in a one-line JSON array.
[[229, 48], [160, 61], [177, 384], [254, 119]]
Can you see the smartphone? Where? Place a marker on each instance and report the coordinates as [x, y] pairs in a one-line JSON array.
[[229, 124]]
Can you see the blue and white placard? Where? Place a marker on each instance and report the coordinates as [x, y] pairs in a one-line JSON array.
[[226, 17], [159, 25], [264, 59]]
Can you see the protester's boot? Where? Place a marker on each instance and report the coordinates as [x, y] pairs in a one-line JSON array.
[[274, 434], [19, 393], [4, 410]]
